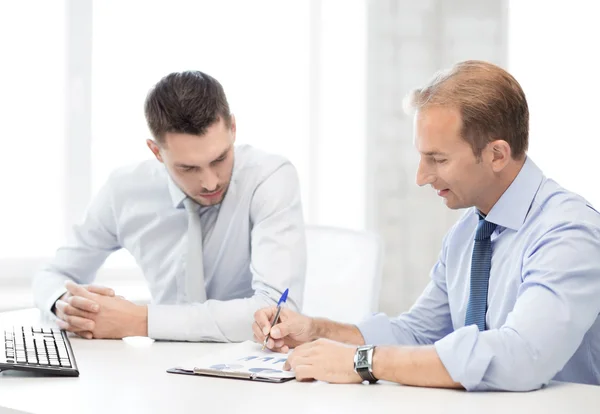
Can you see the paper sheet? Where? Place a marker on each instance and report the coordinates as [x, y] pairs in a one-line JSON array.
[[246, 358]]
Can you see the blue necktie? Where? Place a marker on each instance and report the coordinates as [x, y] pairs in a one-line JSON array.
[[481, 262]]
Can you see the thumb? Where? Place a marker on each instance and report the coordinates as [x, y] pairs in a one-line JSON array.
[[281, 330]]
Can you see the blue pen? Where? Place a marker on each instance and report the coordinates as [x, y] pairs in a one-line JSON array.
[[282, 300]]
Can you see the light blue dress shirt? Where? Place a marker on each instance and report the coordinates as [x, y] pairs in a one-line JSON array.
[[253, 243], [543, 312]]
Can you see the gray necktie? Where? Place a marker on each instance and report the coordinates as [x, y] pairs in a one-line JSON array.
[[195, 291]]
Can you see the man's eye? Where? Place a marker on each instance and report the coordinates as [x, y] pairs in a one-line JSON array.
[[440, 161]]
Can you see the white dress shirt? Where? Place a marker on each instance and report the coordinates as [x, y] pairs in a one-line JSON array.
[[253, 242]]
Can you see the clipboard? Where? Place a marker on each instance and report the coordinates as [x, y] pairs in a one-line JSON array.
[[244, 361], [231, 375]]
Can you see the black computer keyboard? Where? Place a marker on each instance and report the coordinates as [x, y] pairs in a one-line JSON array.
[[43, 350]]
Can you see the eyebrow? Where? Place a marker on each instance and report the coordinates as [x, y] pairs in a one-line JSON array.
[[434, 153], [196, 166]]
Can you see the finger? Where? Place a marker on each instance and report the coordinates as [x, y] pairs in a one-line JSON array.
[[100, 290], [303, 349], [304, 372], [66, 327], [295, 360], [66, 309], [282, 350], [285, 325], [275, 346], [78, 290], [258, 333], [281, 330], [263, 318], [83, 304], [78, 323], [289, 363], [85, 334]]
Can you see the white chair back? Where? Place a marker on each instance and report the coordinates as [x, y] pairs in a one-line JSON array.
[[343, 274]]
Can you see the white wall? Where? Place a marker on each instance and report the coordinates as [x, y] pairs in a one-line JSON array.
[[407, 42], [557, 66]]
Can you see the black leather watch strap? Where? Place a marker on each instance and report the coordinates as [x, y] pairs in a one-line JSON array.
[[363, 363], [366, 375]]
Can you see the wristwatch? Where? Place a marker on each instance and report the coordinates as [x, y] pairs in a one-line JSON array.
[[363, 363]]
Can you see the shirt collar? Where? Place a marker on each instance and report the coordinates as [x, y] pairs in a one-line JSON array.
[[177, 196], [511, 209]]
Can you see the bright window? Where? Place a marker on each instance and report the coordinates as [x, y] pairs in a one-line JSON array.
[[32, 96], [258, 50]]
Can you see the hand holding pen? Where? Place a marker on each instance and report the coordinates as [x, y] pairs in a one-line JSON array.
[[282, 300], [280, 328]]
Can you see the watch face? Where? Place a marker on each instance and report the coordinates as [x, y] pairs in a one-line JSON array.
[[362, 359]]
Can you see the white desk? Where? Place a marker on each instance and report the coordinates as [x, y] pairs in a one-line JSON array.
[[121, 377]]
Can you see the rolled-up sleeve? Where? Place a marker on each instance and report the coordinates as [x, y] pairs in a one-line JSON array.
[[556, 305]]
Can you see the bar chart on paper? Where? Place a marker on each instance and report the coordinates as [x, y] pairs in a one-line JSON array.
[[242, 360]]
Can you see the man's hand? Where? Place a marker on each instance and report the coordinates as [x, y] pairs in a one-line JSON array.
[[116, 317], [324, 360], [78, 312], [292, 330]]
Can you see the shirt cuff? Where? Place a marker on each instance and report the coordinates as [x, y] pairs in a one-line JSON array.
[[162, 322], [465, 357], [377, 330], [52, 298]]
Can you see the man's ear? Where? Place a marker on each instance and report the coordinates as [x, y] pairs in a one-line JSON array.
[[501, 154], [155, 149]]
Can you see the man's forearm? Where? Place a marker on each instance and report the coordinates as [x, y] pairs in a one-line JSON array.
[[418, 366], [140, 321], [340, 332]]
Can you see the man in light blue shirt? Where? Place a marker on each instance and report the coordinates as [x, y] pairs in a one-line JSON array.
[[217, 229], [514, 299]]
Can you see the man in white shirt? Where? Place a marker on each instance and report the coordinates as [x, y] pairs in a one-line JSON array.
[[241, 247]]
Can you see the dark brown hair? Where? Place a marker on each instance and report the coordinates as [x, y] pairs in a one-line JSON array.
[[491, 102], [185, 102]]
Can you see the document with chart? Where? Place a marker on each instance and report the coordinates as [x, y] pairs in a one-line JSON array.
[[242, 361]]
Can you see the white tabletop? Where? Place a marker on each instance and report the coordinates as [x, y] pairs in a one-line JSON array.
[[129, 376]]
